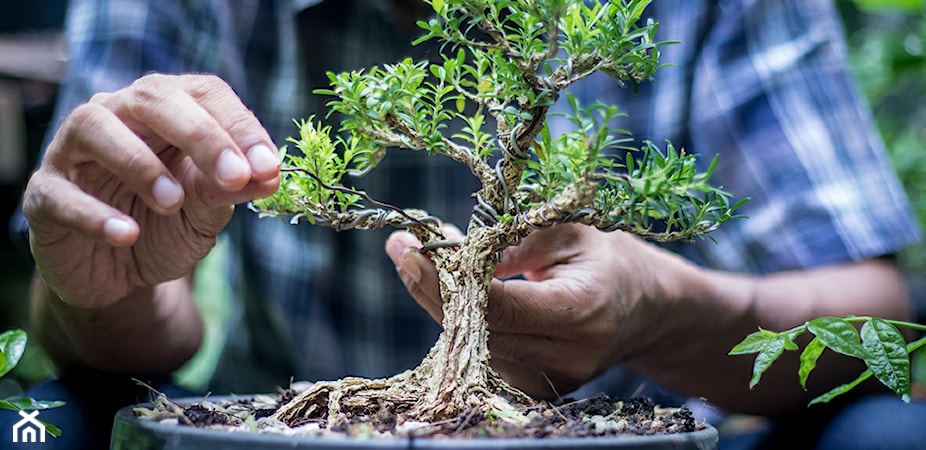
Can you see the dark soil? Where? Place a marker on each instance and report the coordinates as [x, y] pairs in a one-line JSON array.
[[600, 415]]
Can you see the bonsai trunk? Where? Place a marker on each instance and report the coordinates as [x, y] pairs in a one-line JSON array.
[[456, 373], [454, 378]]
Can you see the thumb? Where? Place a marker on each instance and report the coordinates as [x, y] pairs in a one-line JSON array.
[[416, 271]]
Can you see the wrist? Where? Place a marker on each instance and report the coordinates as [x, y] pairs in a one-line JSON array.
[[150, 332], [685, 309]]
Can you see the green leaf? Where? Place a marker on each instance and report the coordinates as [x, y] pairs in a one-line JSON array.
[[438, 5], [809, 357], [770, 352], [51, 429], [461, 103], [839, 335], [886, 355], [12, 347], [842, 389], [769, 345], [27, 404], [754, 343]]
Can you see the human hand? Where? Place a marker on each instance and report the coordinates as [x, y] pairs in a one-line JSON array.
[[587, 300], [136, 184]]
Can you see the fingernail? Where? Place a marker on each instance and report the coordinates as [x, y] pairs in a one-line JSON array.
[[263, 159], [230, 167], [117, 229], [166, 192]]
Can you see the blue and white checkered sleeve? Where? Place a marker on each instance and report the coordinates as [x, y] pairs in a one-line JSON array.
[[773, 96]]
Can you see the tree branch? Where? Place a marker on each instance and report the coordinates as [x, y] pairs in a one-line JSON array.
[[356, 217]]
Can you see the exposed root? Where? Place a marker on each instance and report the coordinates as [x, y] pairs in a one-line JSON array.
[[333, 404], [600, 415]]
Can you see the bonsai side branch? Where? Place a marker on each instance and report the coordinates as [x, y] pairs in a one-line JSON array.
[[359, 219]]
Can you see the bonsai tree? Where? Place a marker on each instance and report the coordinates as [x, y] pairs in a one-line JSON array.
[[504, 63]]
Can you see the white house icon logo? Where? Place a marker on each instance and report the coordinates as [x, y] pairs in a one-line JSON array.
[[29, 428]]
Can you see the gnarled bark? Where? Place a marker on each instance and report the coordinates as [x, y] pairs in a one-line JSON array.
[[454, 377]]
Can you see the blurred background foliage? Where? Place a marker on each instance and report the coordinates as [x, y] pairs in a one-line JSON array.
[[887, 41], [887, 50]]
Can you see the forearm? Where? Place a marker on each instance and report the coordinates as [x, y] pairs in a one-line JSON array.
[[716, 310], [150, 333]]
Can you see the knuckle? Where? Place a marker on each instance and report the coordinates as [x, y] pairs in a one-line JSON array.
[[237, 120], [84, 117], [149, 93], [202, 86], [141, 165], [36, 196], [100, 98], [148, 90], [198, 132], [241, 122]]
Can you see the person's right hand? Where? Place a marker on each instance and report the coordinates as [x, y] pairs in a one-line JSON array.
[[136, 184]]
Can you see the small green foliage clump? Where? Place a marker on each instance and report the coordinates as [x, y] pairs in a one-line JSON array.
[[318, 155]]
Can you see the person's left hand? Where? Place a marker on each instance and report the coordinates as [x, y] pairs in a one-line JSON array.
[[587, 300]]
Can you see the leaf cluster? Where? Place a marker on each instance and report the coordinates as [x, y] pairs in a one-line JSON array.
[[646, 187], [12, 348], [318, 154], [504, 63], [879, 344]]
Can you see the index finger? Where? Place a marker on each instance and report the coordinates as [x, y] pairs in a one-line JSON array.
[[202, 116]]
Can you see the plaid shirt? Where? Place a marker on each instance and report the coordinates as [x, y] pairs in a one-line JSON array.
[[762, 83]]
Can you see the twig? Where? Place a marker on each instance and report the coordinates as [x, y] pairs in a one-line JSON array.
[[555, 392], [177, 408], [365, 197]]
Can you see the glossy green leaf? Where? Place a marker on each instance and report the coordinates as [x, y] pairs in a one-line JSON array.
[[886, 355], [842, 389], [754, 343], [27, 404], [769, 353], [839, 335], [12, 347], [51, 429], [461, 103], [809, 357]]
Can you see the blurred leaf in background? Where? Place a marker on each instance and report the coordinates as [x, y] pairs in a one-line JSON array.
[[887, 48], [878, 6]]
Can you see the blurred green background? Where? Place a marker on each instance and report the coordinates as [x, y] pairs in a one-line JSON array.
[[887, 40]]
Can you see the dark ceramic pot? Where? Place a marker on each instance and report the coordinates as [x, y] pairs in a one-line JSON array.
[[132, 433]]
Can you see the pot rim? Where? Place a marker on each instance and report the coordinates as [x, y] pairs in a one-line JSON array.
[[133, 432]]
